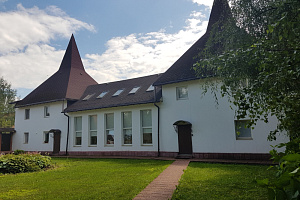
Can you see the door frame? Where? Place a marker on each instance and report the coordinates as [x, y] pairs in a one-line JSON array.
[[184, 129], [6, 131]]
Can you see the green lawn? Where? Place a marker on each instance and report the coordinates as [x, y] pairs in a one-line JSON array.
[[221, 182], [83, 179]]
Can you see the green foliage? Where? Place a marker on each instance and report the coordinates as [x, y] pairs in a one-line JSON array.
[[7, 112], [286, 184], [20, 163], [18, 151], [257, 57]]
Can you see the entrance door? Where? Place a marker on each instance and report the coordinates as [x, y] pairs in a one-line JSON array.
[[185, 139], [56, 142], [5, 142]]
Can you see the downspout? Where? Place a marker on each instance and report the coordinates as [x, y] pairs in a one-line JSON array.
[[158, 116], [68, 130]]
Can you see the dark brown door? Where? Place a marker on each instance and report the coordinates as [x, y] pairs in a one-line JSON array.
[[5, 142], [56, 142], [185, 139]]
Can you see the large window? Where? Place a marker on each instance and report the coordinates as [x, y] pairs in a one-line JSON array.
[[242, 131], [109, 129], [181, 93], [46, 136], [93, 129], [26, 138], [127, 127], [27, 113], [78, 130], [46, 111], [146, 126]]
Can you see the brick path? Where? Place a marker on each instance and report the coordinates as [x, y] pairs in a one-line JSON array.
[[163, 186]]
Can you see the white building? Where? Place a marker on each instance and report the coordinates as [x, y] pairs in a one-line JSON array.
[[158, 115]]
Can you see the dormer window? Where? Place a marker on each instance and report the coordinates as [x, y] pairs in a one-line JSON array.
[[134, 90], [150, 88], [102, 94], [87, 97], [118, 92]]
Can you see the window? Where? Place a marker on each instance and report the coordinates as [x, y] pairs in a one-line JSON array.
[[26, 138], [102, 94], [134, 90], [127, 127], [242, 132], [150, 88], [118, 92], [46, 111], [78, 130], [93, 129], [146, 126], [27, 113], [109, 128], [46, 137], [182, 93], [87, 97]]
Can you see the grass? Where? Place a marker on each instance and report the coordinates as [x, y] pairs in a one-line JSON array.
[[221, 181], [83, 179]]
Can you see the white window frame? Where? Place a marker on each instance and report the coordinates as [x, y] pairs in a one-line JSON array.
[[77, 131], [27, 114], [26, 137], [237, 133], [102, 94], [150, 88], [134, 90], [117, 93], [179, 90], [124, 129], [92, 130], [108, 130], [46, 112], [46, 137], [146, 127]]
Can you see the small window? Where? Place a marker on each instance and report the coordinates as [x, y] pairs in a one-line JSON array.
[[134, 90], [93, 130], [109, 128], [146, 119], [26, 138], [46, 136], [102, 94], [182, 93], [118, 92], [127, 127], [78, 130], [150, 88], [27, 113], [242, 131], [46, 111], [87, 97]]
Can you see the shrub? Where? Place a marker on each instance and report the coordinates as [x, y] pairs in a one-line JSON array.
[[28, 162], [18, 151]]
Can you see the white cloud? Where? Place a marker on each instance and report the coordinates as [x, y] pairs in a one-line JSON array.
[[137, 55], [26, 58], [204, 2]]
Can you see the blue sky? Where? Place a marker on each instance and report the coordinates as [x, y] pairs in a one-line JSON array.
[[117, 39]]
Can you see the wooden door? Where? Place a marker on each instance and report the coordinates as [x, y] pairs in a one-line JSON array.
[[185, 139], [5, 142], [56, 142]]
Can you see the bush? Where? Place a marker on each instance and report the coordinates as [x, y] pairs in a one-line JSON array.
[[18, 151], [29, 162]]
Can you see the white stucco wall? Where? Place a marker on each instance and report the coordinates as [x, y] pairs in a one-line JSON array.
[[37, 124], [118, 146], [212, 125]]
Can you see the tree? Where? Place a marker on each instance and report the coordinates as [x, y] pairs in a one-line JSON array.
[[7, 112], [255, 52]]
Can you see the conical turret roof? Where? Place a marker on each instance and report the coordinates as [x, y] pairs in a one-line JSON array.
[[182, 69], [69, 82]]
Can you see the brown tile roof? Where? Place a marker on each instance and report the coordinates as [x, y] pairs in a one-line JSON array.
[[90, 99], [69, 82], [182, 70]]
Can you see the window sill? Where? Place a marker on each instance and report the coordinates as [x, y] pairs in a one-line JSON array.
[[147, 145], [92, 145], [244, 138], [77, 146], [126, 144], [109, 145]]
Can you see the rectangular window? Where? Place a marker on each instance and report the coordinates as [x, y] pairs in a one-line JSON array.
[[109, 128], [181, 93], [27, 113], [26, 138], [93, 129], [242, 131], [46, 137], [127, 127], [146, 116], [46, 111], [78, 130]]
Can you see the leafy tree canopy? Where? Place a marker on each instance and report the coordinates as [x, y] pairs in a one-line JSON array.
[[255, 52], [7, 111]]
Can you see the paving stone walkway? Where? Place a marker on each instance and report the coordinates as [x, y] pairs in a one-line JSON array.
[[163, 186]]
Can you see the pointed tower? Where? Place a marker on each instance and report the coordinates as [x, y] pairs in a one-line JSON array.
[[182, 70], [68, 83]]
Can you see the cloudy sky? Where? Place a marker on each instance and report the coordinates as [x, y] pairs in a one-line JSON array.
[[117, 39]]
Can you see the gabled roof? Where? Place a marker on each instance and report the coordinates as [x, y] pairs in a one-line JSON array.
[[182, 69], [91, 100], [69, 82]]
